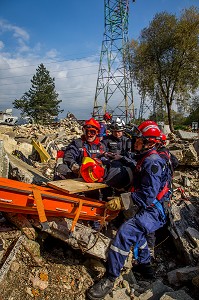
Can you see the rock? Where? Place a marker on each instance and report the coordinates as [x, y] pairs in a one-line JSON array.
[[177, 295], [193, 235], [195, 281], [155, 291], [40, 280], [182, 275], [118, 294], [96, 266], [190, 155]]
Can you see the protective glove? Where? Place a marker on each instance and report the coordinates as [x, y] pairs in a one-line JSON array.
[[75, 168], [114, 203]]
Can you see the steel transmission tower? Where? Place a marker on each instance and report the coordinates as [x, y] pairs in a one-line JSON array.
[[114, 92], [153, 106]]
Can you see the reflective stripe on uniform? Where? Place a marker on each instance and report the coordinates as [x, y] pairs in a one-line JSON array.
[[143, 246], [120, 251]]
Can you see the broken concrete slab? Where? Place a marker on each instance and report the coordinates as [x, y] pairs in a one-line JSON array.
[[177, 295], [186, 135], [182, 275], [83, 237], [19, 170], [183, 215], [4, 161], [155, 291], [193, 234], [14, 168]]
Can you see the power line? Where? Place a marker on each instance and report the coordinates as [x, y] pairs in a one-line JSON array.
[[47, 63], [50, 72], [55, 78]]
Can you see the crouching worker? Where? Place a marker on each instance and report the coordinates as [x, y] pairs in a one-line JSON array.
[[148, 193], [88, 145], [116, 173]]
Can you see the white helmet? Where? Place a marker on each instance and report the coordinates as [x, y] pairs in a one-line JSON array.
[[117, 125]]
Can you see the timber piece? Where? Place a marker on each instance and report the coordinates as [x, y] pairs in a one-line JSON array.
[[83, 237], [22, 223], [183, 220], [78, 185]]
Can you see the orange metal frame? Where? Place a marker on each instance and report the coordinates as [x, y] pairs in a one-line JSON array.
[[27, 198]]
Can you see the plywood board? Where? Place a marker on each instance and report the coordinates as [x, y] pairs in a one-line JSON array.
[[72, 186]]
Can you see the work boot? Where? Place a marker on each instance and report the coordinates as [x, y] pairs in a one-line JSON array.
[[100, 289], [145, 270]]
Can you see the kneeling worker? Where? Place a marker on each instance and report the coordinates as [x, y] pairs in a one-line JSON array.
[[148, 196]]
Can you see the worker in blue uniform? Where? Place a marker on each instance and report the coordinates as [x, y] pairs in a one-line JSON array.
[[148, 193], [117, 142], [69, 160]]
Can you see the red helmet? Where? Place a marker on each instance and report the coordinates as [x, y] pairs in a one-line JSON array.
[[92, 170], [92, 123], [146, 123], [151, 132], [107, 116], [163, 138]]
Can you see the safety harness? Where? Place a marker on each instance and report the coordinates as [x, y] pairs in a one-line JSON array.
[[92, 152]]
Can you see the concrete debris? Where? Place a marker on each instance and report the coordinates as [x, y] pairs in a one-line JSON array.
[[58, 265], [188, 136], [22, 223], [182, 275], [84, 238]]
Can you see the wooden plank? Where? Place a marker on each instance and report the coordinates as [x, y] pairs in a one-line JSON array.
[[72, 186]]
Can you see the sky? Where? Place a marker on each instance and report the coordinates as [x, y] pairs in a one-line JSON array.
[[66, 36]]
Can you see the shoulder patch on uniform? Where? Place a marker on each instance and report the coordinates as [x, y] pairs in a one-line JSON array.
[[154, 169]]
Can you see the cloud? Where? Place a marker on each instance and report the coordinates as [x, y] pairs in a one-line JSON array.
[[75, 79], [52, 53], [1, 45], [16, 31]]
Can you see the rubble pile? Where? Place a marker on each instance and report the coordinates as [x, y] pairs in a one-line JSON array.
[[61, 133], [41, 265]]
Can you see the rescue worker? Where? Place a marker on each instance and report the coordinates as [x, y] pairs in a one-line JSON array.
[[116, 142], [88, 145], [148, 193], [104, 125], [118, 171]]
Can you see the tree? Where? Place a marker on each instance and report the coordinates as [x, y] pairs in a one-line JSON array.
[[165, 59], [177, 118], [194, 111], [40, 102]]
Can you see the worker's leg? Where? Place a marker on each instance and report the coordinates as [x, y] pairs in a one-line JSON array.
[[128, 234], [132, 232]]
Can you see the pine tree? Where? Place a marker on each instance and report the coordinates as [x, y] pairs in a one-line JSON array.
[[41, 101]]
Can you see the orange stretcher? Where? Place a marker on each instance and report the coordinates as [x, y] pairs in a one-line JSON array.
[[27, 198]]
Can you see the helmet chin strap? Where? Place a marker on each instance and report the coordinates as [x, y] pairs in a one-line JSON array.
[[148, 144]]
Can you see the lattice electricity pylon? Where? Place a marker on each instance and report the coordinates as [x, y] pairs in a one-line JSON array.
[[114, 92], [151, 106], [146, 108]]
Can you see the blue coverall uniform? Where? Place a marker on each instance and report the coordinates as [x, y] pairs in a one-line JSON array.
[[148, 182], [117, 145], [74, 153]]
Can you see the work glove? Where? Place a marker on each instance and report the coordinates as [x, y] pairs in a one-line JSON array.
[[114, 203], [75, 168]]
